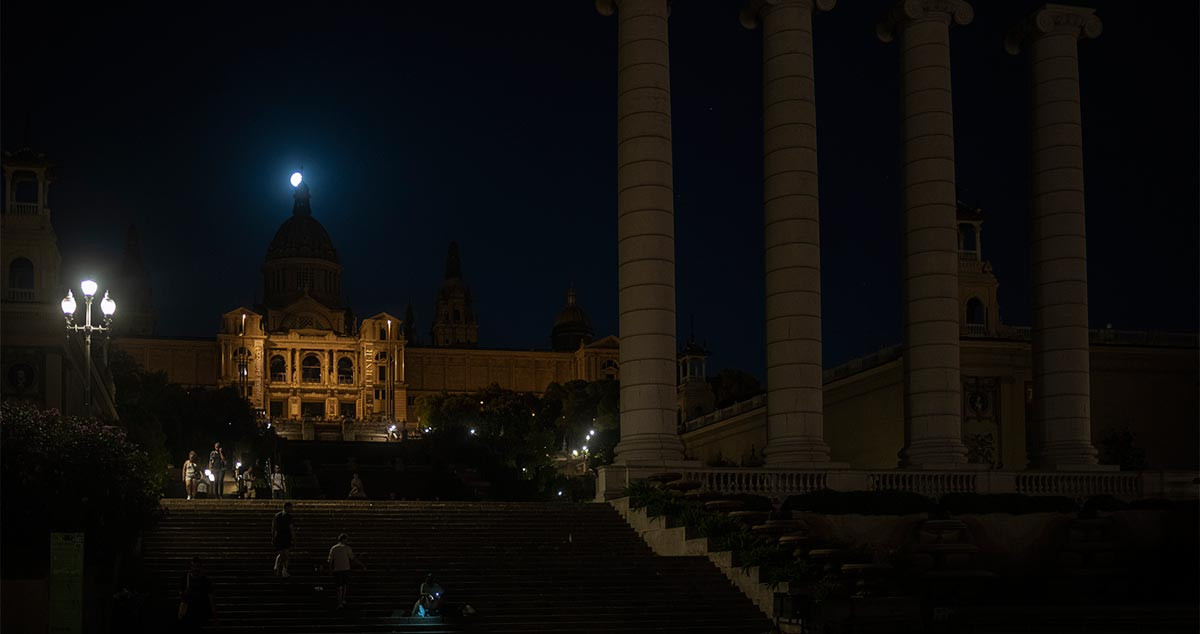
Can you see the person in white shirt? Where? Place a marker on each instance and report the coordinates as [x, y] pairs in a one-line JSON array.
[[278, 484], [340, 558]]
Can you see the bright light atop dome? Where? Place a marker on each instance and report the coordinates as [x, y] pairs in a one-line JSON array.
[[296, 178]]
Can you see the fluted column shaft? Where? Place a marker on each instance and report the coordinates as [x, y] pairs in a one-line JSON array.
[[1061, 370], [932, 386], [645, 235], [792, 236]]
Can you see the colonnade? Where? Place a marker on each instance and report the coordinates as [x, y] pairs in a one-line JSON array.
[[932, 385]]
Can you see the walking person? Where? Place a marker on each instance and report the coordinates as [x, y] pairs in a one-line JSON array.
[[191, 475], [216, 464], [339, 560], [278, 484], [283, 531], [196, 606]]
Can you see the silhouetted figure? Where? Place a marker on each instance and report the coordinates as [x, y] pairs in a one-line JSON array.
[[216, 465], [339, 560], [196, 606], [431, 598], [283, 530]]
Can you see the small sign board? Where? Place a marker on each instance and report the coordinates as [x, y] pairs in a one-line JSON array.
[[66, 583]]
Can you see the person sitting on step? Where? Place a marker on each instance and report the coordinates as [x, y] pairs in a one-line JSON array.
[[356, 489], [430, 601]]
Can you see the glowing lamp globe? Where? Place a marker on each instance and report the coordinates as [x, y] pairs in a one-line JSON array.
[[107, 305], [89, 287], [68, 304], [296, 178]]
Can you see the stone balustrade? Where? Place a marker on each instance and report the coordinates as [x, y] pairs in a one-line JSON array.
[[780, 483]]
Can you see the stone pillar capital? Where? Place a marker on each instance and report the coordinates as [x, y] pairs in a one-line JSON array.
[[609, 7], [753, 10], [946, 11], [1057, 19]]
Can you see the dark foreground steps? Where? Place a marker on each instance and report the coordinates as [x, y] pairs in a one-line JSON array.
[[525, 567]]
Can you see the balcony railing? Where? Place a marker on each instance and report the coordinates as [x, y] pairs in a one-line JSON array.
[[976, 330], [780, 483], [22, 209], [20, 295]]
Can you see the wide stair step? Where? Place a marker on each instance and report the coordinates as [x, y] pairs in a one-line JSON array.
[[525, 567]]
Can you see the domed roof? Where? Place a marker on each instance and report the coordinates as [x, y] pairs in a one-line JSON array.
[[571, 327], [301, 236], [572, 314]]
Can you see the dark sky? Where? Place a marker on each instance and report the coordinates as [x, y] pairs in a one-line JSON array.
[[493, 124]]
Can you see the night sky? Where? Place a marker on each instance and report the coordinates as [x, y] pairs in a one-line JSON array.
[[494, 124]]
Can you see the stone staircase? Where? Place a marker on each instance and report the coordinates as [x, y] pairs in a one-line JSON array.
[[525, 567]]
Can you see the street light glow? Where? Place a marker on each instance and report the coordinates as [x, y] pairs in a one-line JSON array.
[[296, 178], [68, 304], [108, 306], [89, 287]]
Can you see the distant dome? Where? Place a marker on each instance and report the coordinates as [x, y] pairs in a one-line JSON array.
[[301, 236], [572, 326]]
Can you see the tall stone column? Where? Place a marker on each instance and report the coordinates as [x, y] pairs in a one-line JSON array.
[[792, 231], [645, 235], [1061, 372], [932, 387]]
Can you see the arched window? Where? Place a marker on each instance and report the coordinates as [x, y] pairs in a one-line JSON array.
[[608, 369], [976, 315], [967, 239], [345, 371], [310, 369], [20, 274], [25, 188], [278, 369]]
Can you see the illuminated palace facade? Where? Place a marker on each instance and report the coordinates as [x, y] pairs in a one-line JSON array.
[[316, 372]]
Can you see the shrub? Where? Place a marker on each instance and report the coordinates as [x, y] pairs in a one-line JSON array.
[[70, 474], [1014, 503], [860, 502]]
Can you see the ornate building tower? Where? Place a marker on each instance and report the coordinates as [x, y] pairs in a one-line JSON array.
[[454, 321], [695, 395], [979, 308], [133, 287], [572, 328], [302, 264]]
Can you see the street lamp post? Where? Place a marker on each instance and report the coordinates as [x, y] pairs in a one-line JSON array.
[[243, 364], [108, 307]]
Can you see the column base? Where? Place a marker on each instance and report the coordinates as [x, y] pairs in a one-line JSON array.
[[612, 479], [649, 448], [934, 453], [1067, 456], [796, 453], [1075, 467]]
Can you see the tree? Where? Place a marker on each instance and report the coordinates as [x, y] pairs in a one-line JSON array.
[[731, 386], [168, 420], [69, 474]]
